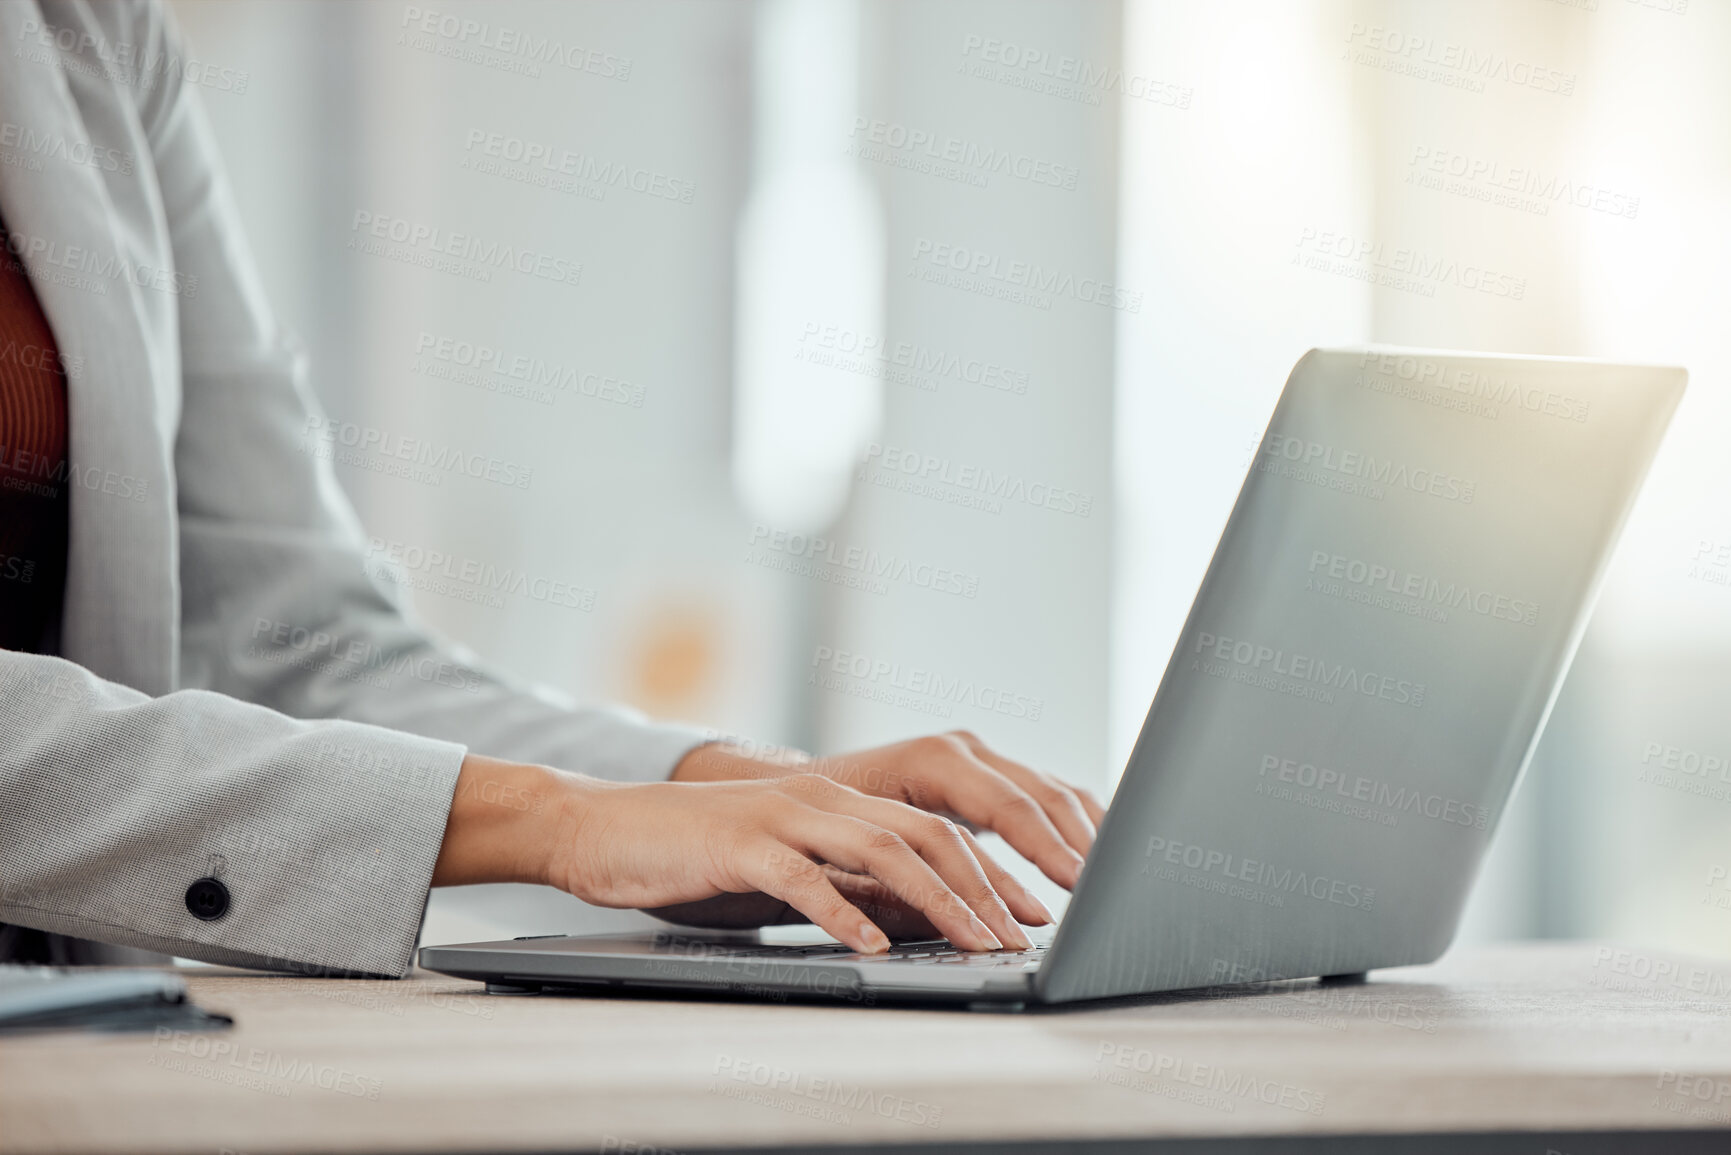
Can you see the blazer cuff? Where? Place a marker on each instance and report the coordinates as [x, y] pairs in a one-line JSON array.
[[321, 863], [362, 903]]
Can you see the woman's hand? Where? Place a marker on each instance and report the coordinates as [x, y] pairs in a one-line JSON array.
[[750, 911], [1048, 821], [826, 850]]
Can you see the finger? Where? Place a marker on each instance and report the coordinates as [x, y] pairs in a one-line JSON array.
[[1020, 899], [933, 838], [862, 847], [939, 842], [1055, 798], [986, 796], [783, 872], [1092, 805], [896, 918]]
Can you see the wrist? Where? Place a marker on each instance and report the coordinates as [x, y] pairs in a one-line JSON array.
[[503, 823]]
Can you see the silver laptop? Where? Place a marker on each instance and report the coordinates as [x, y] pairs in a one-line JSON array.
[[1362, 679]]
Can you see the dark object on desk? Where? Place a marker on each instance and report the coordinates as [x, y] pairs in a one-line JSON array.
[[22, 944], [54, 999]]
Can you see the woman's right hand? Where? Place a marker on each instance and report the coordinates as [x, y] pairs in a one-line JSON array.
[[670, 843]]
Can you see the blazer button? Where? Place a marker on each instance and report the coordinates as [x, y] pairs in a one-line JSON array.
[[207, 899]]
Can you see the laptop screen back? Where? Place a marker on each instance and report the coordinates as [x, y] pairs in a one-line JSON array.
[[1365, 670]]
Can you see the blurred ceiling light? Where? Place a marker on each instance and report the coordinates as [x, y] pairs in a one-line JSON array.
[[811, 263]]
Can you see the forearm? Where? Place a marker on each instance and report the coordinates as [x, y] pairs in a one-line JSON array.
[[870, 771], [734, 762], [510, 821]]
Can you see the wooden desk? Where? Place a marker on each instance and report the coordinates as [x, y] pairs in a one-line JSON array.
[[1523, 1041]]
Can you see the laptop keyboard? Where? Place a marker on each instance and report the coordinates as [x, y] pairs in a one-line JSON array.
[[932, 951]]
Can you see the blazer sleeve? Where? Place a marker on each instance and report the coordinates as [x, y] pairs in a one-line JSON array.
[[114, 804], [278, 605]]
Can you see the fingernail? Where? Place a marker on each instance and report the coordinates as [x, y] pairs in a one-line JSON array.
[[985, 932], [1017, 939], [1044, 910], [874, 939]]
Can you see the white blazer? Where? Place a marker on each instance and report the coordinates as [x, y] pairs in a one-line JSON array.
[[235, 697]]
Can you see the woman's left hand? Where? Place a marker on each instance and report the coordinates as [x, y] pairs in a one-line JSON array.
[[1050, 822]]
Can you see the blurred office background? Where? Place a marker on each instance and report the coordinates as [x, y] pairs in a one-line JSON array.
[[767, 331]]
